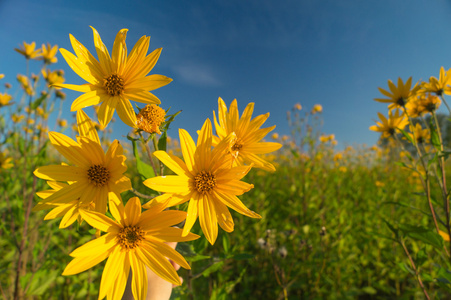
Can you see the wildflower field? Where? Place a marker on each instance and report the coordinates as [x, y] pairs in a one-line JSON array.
[[255, 214]]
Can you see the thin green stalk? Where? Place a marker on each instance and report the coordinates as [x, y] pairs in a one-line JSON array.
[[417, 273]]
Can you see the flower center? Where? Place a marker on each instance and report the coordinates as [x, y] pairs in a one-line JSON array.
[[237, 146], [114, 85], [205, 182], [401, 101], [98, 175], [150, 118], [130, 236]]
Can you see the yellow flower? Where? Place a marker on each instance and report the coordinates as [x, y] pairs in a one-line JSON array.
[[444, 235], [135, 240], [28, 51], [343, 169], [52, 77], [150, 118], [438, 86], [70, 211], [62, 123], [60, 95], [379, 183], [206, 180], [388, 127], [95, 173], [323, 138], [16, 118], [399, 95], [420, 135], [248, 134], [298, 106], [49, 53], [275, 136], [414, 107], [317, 108], [113, 81], [5, 99], [338, 156], [430, 103], [5, 162]]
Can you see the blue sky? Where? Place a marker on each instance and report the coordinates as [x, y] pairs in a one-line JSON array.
[[273, 53]]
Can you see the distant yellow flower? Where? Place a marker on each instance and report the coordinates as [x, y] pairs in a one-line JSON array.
[[298, 106], [5, 99], [343, 169], [95, 173], [133, 241], [338, 156], [323, 138], [317, 108], [444, 235], [414, 107], [62, 123], [113, 81], [5, 162], [388, 126], [52, 77], [2, 76], [16, 118], [28, 50], [399, 95], [150, 118], [49, 53], [430, 103], [275, 136], [248, 134], [30, 121], [420, 135], [379, 183], [206, 180], [285, 138], [438, 86], [60, 95]]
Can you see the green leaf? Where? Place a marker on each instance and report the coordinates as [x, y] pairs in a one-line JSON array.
[[390, 226], [407, 136], [369, 290], [421, 257], [38, 102], [226, 243], [145, 170], [213, 268], [422, 234], [162, 142], [444, 275], [435, 140], [408, 205]]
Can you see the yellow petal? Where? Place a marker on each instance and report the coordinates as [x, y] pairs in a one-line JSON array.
[[207, 218], [69, 149], [132, 211], [148, 63], [84, 88], [99, 221], [164, 219], [60, 173], [102, 244], [86, 58], [113, 266], [157, 263], [119, 54], [191, 215], [93, 97], [70, 217], [86, 127], [170, 234], [172, 162], [188, 148], [234, 187], [169, 252], [139, 281], [262, 148], [168, 184], [149, 83], [141, 96], [80, 264], [79, 67], [102, 53], [236, 204], [106, 110], [223, 216], [126, 113]]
